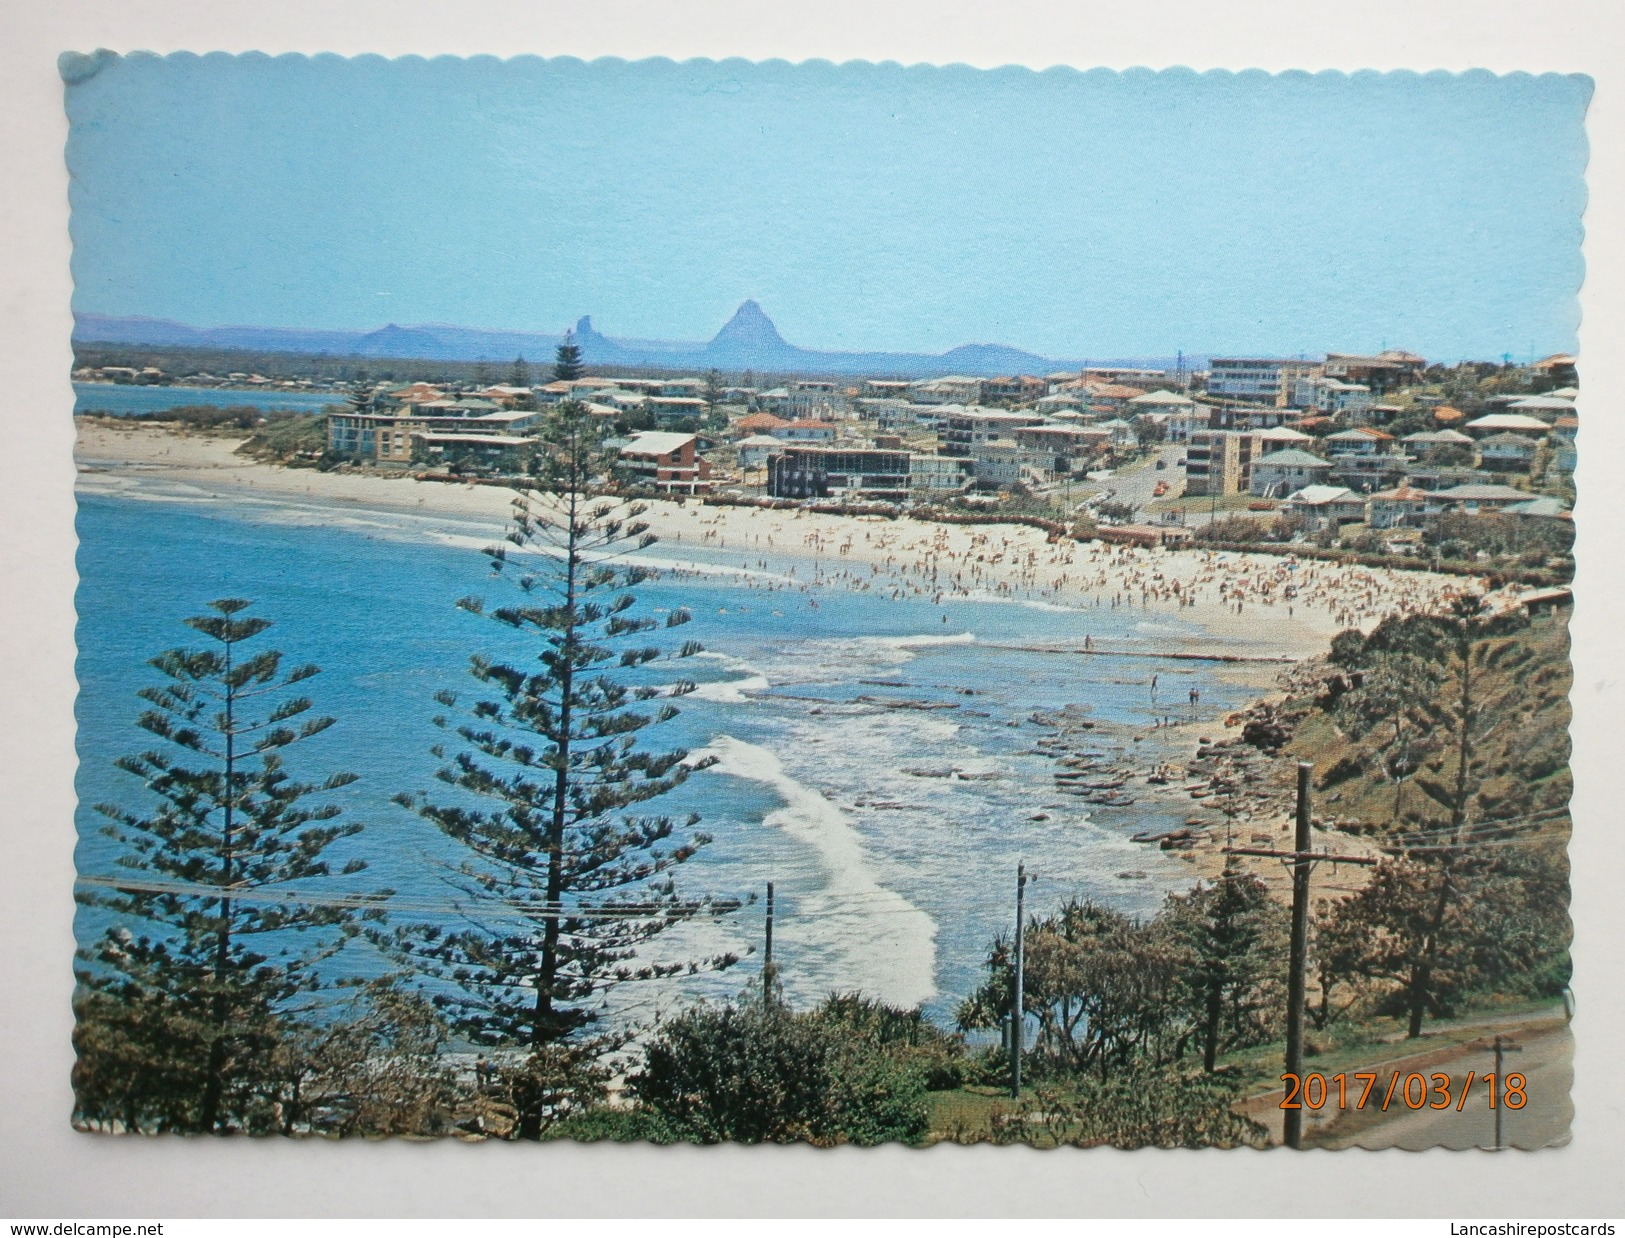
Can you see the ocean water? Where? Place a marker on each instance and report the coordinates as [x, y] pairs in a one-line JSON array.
[[875, 756], [124, 401]]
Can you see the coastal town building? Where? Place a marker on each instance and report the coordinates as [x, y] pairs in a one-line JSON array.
[[949, 389], [1147, 536], [1180, 415], [1060, 402], [1128, 376], [1250, 416], [964, 429], [1360, 441], [1543, 407], [1331, 395], [666, 461], [897, 414], [503, 452], [932, 476], [1390, 369], [1261, 379], [1284, 472], [670, 407], [1426, 440], [1063, 450], [1477, 498], [1401, 507], [386, 437], [844, 474], [753, 452], [1507, 453], [1325, 507], [1277, 437], [1112, 397], [1558, 369], [1219, 462], [1365, 459], [998, 466], [759, 423], [1436, 477], [805, 431], [1516, 423], [1020, 389]]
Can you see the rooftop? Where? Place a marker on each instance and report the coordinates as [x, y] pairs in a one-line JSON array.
[[1436, 437], [1284, 434], [1292, 456], [1483, 493], [1314, 496], [1402, 494], [1543, 506], [1508, 421], [656, 442]]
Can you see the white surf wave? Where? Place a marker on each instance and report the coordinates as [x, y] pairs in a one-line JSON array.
[[852, 933], [925, 641], [731, 691]]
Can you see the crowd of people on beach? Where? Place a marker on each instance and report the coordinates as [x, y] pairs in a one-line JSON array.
[[940, 562]]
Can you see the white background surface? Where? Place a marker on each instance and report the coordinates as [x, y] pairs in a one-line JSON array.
[[47, 1170]]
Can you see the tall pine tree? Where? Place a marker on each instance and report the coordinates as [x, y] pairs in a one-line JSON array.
[[567, 362], [568, 885], [180, 1016]]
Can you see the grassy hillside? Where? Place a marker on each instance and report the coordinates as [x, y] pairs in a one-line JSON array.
[[1386, 764]]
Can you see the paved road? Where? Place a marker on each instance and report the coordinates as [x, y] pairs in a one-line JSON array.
[[1546, 1062], [1136, 485]]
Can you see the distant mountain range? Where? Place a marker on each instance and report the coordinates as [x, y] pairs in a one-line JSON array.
[[747, 341]]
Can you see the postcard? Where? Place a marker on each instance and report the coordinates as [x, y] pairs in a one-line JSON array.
[[725, 602]]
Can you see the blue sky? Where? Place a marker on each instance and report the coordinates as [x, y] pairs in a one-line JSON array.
[[865, 206]]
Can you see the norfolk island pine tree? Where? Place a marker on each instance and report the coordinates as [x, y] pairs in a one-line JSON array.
[[567, 887], [177, 1024]]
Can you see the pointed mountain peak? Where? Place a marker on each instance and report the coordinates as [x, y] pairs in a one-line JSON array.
[[749, 334], [584, 325]]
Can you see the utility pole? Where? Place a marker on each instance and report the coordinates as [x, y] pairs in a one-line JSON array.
[[1018, 1017], [1300, 952], [1502, 1046], [767, 953], [1303, 859]]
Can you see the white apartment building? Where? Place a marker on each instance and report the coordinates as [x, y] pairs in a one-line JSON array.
[[1330, 395], [965, 430], [1265, 379]]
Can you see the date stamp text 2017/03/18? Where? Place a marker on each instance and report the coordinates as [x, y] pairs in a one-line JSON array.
[[1415, 1091]]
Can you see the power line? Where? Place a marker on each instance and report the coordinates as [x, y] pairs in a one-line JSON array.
[[623, 911]]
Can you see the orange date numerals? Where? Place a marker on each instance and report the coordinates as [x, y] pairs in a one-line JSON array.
[[1414, 1091]]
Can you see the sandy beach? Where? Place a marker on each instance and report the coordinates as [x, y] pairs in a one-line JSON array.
[[1259, 605]]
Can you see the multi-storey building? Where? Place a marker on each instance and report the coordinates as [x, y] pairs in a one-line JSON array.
[[666, 461], [932, 475], [1330, 395], [1020, 389], [1063, 450], [1266, 380], [1387, 370], [387, 437], [851, 474], [965, 429], [1219, 462], [949, 389]]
